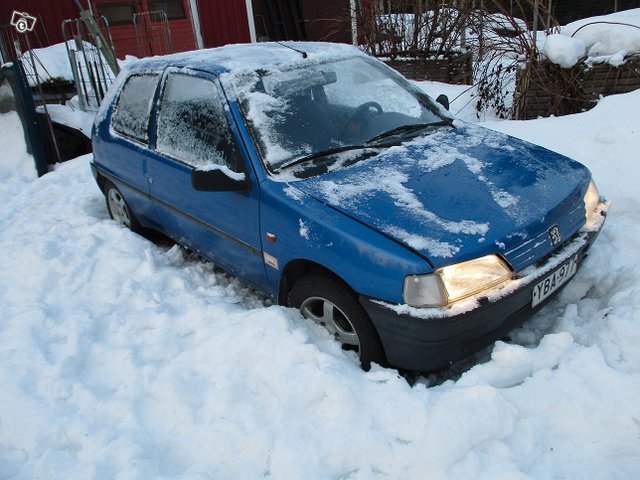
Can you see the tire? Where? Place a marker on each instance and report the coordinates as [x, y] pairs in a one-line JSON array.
[[118, 208], [332, 305]]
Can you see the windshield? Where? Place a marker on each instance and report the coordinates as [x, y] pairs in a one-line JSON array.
[[303, 112]]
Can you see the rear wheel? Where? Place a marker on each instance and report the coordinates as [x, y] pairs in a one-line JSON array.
[[330, 304], [118, 208]]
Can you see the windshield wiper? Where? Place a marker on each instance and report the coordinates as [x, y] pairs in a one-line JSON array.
[[320, 154], [404, 130]]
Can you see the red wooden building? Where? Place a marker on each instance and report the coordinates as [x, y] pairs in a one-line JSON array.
[[192, 23]]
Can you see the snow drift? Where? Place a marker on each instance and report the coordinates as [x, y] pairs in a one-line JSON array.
[[123, 358]]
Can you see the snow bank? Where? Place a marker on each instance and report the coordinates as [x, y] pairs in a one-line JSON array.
[[562, 50], [14, 159], [71, 115], [608, 34], [606, 38], [462, 98], [123, 358], [51, 63], [606, 139]]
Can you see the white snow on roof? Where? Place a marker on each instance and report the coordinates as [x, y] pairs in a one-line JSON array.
[[245, 57], [71, 116], [50, 63]]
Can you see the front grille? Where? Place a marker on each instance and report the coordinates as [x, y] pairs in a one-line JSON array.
[[536, 248]]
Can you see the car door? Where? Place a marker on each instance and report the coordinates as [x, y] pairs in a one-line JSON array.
[[193, 130], [124, 157]]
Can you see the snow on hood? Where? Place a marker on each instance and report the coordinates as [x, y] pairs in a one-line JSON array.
[[457, 193]]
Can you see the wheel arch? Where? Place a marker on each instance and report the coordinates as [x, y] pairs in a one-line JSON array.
[[299, 268], [101, 180]]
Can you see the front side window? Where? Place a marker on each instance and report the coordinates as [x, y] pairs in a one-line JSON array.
[[192, 124], [131, 115]]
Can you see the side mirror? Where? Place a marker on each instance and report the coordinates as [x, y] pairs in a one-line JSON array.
[[443, 100], [218, 180]]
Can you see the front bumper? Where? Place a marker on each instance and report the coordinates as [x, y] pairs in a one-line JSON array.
[[429, 339]]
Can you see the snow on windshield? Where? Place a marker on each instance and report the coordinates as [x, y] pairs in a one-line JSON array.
[[266, 112], [362, 82], [319, 106]]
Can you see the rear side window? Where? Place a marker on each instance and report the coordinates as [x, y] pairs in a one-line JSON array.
[[131, 115], [192, 124]]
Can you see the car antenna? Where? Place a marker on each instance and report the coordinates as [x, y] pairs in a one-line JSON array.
[[304, 54]]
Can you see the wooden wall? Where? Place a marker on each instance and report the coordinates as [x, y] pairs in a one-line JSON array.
[[223, 22], [124, 36], [552, 90]]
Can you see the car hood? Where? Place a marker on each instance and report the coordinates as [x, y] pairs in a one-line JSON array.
[[454, 194]]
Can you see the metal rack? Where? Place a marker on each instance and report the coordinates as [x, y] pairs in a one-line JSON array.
[[153, 35], [17, 46], [91, 71]]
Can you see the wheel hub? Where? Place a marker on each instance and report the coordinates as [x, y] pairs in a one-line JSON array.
[[328, 315]]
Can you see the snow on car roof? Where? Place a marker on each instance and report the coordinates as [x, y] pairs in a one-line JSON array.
[[240, 58], [234, 59]]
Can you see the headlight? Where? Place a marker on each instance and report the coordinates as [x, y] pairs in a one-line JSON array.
[[591, 199], [455, 282]]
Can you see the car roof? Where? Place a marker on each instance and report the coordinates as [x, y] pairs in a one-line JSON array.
[[239, 58]]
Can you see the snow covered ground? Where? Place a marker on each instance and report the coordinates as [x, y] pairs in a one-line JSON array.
[[124, 358]]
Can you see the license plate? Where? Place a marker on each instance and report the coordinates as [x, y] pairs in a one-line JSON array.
[[543, 289]]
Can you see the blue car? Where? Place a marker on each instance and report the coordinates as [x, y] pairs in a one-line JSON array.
[[327, 180]]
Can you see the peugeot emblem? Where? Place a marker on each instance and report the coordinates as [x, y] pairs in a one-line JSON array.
[[554, 235]]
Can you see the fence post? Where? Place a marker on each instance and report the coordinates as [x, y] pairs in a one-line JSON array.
[[14, 72], [535, 27]]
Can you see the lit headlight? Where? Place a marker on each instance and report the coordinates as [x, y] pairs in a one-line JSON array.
[[591, 199], [455, 282]]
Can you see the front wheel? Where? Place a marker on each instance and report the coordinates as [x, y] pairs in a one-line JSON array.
[[331, 305]]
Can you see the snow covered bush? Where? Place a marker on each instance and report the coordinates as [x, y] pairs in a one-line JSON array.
[[502, 44], [414, 28], [580, 63]]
